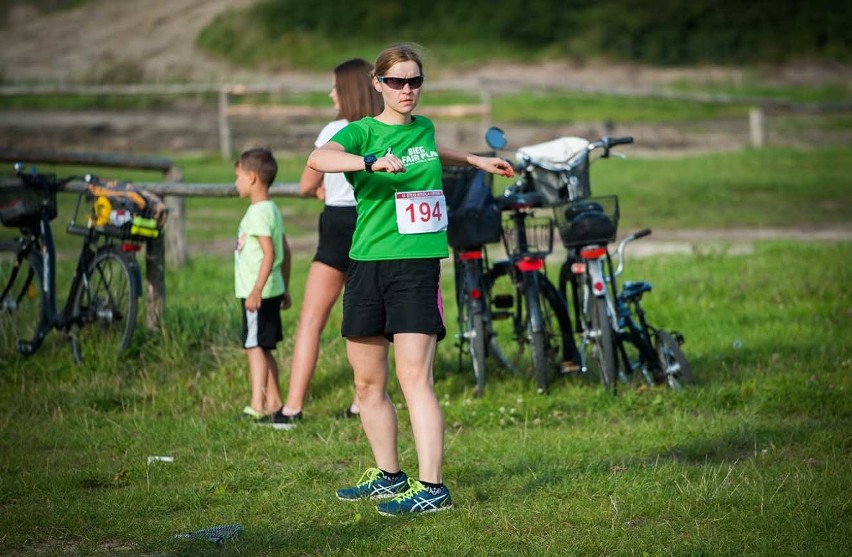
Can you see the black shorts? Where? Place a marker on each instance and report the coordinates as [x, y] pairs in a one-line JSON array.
[[262, 328], [336, 226], [383, 298]]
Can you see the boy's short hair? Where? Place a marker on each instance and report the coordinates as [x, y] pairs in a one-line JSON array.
[[260, 161]]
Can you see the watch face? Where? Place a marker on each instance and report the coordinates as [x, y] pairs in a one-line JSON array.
[[370, 159]]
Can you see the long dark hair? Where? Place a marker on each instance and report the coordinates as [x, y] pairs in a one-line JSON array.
[[355, 93]]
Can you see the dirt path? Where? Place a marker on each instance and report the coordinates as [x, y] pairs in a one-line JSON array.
[[731, 241], [154, 38]]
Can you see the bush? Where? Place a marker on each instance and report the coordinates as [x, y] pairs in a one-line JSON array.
[[668, 32]]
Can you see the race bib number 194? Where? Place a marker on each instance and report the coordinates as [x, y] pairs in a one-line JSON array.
[[418, 212]]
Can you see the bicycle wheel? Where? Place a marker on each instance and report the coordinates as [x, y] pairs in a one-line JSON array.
[[672, 361], [475, 337], [550, 345], [599, 343], [23, 302], [105, 306], [539, 353]]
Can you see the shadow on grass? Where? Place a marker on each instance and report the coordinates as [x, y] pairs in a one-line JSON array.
[[290, 537]]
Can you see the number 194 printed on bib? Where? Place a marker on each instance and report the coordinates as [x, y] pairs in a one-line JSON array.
[[418, 212]]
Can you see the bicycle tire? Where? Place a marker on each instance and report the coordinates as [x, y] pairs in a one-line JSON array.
[[23, 301], [673, 363], [105, 306], [551, 344], [477, 348], [600, 343], [539, 353]]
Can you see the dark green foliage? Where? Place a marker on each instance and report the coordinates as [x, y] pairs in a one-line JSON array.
[[668, 32]]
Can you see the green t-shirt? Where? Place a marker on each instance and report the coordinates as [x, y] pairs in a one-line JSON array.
[[376, 234], [261, 219]]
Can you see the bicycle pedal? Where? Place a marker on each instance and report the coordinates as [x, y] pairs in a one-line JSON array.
[[500, 315], [503, 301]]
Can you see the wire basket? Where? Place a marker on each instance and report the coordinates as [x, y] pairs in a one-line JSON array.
[[21, 206], [112, 219], [590, 220], [538, 236]]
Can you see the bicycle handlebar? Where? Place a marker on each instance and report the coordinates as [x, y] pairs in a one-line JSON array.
[[623, 244], [525, 163], [48, 182]]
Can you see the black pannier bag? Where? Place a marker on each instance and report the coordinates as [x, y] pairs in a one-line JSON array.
[[592, 220], [21, 205], [474, 218]]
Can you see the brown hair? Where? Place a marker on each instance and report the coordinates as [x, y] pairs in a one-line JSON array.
[[355, 93], [400, 52], [260, 161]]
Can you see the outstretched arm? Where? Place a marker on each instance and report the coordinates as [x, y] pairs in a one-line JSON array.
[[493, 165]]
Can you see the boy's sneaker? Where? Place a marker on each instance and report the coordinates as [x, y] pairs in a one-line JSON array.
[[418, 499], [277, 420], [374, 485], [250, 413]]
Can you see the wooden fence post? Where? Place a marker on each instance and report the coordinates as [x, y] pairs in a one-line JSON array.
[[224, 129], [176, 252], [757, 127]]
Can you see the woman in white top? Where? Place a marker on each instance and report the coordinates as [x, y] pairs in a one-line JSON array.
[[354, 97]]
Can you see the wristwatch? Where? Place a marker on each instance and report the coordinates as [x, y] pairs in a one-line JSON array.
[[368, 163]]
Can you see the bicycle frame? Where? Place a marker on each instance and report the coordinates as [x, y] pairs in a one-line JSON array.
[[90, 298]]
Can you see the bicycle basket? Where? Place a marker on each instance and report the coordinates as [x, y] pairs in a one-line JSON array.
[[474, 218], [570, 183], [539, 236], [591, 220], [20, 205], [121, 210]]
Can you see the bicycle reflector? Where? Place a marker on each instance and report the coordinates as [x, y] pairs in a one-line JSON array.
[[578, 268], [476, 293], [592, 253], [530, 264]]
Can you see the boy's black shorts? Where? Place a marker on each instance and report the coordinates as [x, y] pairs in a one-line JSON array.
[[336, 227], [262, 328], [383, 298]]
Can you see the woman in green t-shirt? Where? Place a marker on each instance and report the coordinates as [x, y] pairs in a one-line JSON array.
[[393, 286]]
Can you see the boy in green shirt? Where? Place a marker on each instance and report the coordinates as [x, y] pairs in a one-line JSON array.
[[261, 276]]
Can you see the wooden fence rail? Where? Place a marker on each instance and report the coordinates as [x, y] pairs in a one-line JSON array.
[[173, 243]]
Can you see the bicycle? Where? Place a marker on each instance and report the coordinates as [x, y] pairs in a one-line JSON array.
[[657, 353], [102, 304], [614, 329], [474, 221], [527, 311], [604, 320]]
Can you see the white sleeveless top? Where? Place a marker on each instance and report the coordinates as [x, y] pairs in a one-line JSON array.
[[338, 192]]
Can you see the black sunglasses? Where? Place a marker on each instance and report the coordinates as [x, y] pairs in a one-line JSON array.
[[400, 82]]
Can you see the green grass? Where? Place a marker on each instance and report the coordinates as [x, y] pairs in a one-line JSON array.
[[548, 107], [755, 459], [748, 189]]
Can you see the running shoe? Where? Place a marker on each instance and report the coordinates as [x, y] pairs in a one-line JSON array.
[[418, 499], [374, 485]]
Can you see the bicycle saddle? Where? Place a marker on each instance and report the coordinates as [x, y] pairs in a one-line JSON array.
[[633, 290]]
